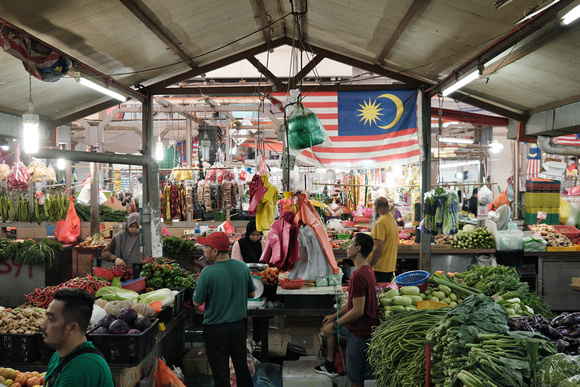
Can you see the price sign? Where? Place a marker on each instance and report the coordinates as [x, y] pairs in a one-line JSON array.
[[541, 216]]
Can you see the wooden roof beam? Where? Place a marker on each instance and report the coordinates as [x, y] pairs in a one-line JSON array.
[[263, 15], [149, 23], [399, 31], [278, 84], [308, 68]]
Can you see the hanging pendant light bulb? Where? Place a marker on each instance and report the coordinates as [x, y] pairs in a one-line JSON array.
[[159, 150], [60, 164], [30, 123]]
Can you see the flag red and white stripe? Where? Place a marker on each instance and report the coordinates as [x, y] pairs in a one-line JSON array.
[[355, 152], [533, 162], [570, 139]]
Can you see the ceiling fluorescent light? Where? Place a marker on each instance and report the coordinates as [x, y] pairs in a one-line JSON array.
[[540, 10], [455, 165], [458, 85], [101, 89], [456, 140], [571, 15]]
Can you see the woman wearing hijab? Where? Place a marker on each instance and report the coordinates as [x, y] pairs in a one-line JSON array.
[[124, 248], [250, 247]]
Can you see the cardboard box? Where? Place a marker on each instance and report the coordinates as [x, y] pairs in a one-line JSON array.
[[195, 362]]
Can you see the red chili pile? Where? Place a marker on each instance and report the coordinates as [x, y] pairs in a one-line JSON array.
[[126, 272], [41, 297]]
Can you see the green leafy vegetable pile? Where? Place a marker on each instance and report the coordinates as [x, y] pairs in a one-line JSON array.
[[502, 282], [472, 346], [173, 246], [559, 370], [29, 252]]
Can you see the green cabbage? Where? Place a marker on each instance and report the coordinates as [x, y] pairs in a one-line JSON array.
[[164, 295], [114, 293]]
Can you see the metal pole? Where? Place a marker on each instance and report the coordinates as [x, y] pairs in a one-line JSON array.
[[425, 121], [188, 146], [95, 206]]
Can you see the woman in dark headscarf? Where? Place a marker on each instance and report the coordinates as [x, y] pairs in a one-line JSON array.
[[125, 247], [250, 247]]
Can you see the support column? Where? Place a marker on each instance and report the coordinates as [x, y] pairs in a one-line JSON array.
[[424, 121]]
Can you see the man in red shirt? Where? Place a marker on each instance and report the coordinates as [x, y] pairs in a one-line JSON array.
[[356, 319]]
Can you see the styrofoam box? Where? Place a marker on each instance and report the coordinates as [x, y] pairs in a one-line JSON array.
[[300, 373]]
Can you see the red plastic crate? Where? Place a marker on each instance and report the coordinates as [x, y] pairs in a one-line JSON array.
[[106, 272], [542, 186], [567, 230], [135, 285]]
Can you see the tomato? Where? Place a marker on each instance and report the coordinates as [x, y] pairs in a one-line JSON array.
[[42, 379], [21, 379], [33, 381], [16, 384]]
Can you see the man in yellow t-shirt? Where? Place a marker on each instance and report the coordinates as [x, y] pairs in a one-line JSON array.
[[385, 234]]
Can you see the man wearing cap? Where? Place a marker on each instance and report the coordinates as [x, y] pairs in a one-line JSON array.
[[224, 287]]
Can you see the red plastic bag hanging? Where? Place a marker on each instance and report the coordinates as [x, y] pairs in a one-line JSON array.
[[67, 231], [18, 176]]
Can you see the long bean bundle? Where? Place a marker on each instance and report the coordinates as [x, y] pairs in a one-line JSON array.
[[397, 348]]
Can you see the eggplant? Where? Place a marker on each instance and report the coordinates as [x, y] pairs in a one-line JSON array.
[[558, 319], [513, 324], [563, 331], [547, 330], [574, 333], [561, 346], [571, 319], [524, 326]]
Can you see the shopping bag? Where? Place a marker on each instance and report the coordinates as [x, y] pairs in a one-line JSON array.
[[304, 128], [67, 231], [164, 377]]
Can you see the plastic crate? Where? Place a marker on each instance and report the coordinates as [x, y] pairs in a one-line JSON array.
[[567, 230], [125, 349], [549, 210], [543, 199], [532, 218], [106, 272], [45, 352], [343, 236], [543, 186], [178, 302], [19, 348], [135, 285]]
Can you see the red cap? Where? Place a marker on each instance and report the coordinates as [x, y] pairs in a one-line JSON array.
[[217, 240]]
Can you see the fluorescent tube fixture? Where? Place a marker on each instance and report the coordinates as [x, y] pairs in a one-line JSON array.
[[159, 150], [571, 15], [101, 89], [455, 165], [458, 85], [456, 140]]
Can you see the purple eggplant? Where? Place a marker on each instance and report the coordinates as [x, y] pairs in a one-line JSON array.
[[558, 319], [561, 346], [574, 333], [571, 319], [513, 324], [547, 330], [524, 326], [563, 331]]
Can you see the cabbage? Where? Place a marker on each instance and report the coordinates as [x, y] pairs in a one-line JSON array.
[[114, 293], [469, 228], [165, 296]]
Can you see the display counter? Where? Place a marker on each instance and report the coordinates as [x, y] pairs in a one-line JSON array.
[[17, 279]]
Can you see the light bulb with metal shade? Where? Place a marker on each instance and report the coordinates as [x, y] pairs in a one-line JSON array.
[[495, 146], [60, 164], [159, 150], [30, 123]]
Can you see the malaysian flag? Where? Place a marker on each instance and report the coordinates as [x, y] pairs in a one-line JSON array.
[[46, 67], [533, 167], [368, 129], [570, 139]]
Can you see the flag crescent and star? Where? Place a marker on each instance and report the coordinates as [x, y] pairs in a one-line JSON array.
[[367, 129]]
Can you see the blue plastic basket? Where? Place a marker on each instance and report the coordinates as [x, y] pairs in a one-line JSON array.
[[412, 278]]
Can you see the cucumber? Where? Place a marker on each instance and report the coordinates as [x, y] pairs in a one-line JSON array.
[[423, 296], [453, 297], [409, 291], [394, 307], [415, 299], [392, 293], [385, 301], [446, 300], [411, 307], [445, 289], [439, 295], [434, 299], [402, 300], [453, 304]]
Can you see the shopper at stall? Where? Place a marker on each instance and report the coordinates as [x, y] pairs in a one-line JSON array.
[[125, 247], [76, 361], [356, 319], [396, 214], [224, 287], [249, 248], [385, 234], [471, 204]]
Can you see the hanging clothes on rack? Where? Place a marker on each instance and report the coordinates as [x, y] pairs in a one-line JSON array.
[[312, 264], [308, 215], [282, 249], [266, 208]]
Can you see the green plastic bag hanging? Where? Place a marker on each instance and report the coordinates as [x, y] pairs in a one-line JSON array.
[[304, 128]]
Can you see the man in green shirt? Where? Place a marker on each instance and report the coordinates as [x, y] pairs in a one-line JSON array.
[[76, 361], [224, 287]]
